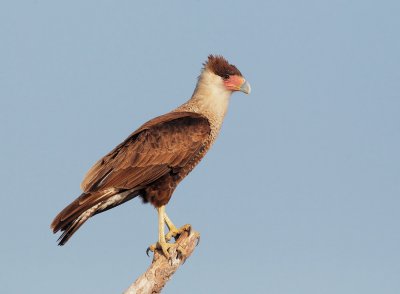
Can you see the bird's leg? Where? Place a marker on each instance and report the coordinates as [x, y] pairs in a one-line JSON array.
[[169, 223], [173, 230], [162, 243]]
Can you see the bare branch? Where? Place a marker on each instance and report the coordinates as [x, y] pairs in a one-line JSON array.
[[161, 268]]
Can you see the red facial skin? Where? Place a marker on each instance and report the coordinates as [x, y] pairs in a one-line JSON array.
[[234, 83]]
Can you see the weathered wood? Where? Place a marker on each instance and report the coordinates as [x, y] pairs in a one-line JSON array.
[[162, 268]]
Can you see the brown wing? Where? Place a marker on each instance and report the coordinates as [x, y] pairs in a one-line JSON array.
[[163, 144]]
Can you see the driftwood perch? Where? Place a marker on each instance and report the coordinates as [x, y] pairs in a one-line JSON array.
[[161, 268]]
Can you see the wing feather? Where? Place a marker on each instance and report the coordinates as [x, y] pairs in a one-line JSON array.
[[163, 144]]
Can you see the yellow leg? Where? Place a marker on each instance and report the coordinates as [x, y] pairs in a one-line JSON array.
[[163, 239], [162, 243], [168, 222], [161, 217], [174, 232]]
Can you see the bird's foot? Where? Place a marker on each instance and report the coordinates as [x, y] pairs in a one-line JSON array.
[[164, 247], [175, 233]]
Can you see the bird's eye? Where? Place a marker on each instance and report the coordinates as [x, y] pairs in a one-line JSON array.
[[225, 77]]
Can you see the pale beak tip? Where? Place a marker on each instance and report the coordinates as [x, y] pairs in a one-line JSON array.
[[245, 87]]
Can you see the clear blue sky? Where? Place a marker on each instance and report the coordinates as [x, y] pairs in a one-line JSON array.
[[300, 194]]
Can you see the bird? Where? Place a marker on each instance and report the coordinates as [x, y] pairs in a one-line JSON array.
[[155, 158]]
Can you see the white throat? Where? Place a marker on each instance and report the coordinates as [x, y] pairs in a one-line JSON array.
[[211, 95]]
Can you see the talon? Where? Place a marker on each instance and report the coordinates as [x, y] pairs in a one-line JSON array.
[[179, 254], [198, 241], [165, 249], [151, 248], [163, 239], [175, 233], [161, 246]]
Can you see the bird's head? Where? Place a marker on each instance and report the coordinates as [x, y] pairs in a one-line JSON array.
[[230, 77]]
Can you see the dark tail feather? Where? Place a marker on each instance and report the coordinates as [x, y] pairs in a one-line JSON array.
[[69, 231], [70, 228], [72, 217]]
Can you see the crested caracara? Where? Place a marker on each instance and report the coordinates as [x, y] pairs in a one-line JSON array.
[[152, 161]]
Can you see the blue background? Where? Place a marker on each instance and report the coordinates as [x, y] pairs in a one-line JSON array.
[[300, 193]]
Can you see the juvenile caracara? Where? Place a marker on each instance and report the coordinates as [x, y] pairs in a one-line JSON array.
[[152, 161]]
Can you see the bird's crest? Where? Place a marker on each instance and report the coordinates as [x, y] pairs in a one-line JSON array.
[[221, 67]]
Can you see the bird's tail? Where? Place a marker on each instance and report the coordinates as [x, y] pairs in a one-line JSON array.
[[72, 217]]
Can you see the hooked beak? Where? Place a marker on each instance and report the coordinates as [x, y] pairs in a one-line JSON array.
[[245, 87], [237, 83]]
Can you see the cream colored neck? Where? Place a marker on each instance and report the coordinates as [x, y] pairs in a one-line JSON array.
[[210, 96]]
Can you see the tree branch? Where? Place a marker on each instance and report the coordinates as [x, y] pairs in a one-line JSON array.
[[161, 268]]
